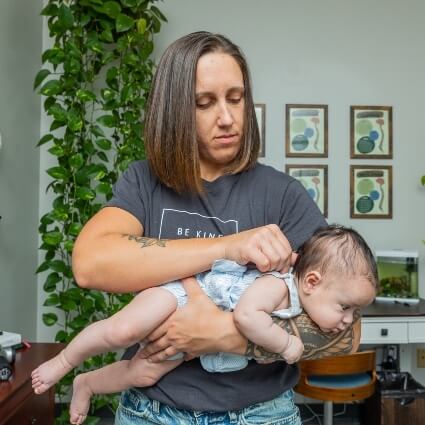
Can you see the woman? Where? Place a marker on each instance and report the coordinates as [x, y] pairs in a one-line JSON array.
[[200, 196]]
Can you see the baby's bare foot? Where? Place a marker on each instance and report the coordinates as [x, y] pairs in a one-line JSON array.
[[80, 402], [49, 373]]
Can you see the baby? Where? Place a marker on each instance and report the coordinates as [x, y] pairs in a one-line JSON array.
[[335, 274]]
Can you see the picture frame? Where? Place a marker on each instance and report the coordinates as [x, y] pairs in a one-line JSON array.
[[371, 191], [306, 133], [260, 113], [371, 132], [314, 178]]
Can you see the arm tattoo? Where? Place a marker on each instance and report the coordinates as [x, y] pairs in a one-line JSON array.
[[317, 343], [145, 242]]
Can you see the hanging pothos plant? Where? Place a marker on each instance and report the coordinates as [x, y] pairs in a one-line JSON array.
[[95, 80]]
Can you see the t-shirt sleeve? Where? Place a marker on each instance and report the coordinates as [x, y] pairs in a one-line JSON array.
[[301, 216], [128, 191]]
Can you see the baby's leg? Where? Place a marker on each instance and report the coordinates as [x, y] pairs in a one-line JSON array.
[[114, 378], [252, 315], [137, 319]]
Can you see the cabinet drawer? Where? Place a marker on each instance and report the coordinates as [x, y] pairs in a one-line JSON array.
[[416, 332], [384, 333]]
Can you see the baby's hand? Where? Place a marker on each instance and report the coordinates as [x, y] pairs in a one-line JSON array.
[[293, 350]]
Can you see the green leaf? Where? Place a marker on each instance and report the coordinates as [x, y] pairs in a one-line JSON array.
[[66, 18], [51, 88], [43, 267], [95, 46], [75, 122], [58, 113], [129, 3], [51, 281], [57, 150], [85, 95], [78, 322], [49, 319], [107, 36], [106, 121], [46, 138], [61, 336], [68, 246], [158, 13], [104, 144], [39, 78], [104, 188], [104, 158], [423, 180], [75, 229], [57, 172], [85, 193], [68, 304], [58, 266], [51, 300], [49, 10], [111, 8], [52, 238], [141, 25], [123, 23], [76, 161]]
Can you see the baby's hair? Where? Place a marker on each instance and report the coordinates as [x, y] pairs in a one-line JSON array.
[[337, 249]]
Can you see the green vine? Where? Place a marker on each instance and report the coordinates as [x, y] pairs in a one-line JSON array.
[[95, 80]]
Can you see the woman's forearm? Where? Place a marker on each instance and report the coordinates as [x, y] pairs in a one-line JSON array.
[[111, 254]]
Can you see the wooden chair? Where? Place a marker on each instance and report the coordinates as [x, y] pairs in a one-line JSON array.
[[338, 379]]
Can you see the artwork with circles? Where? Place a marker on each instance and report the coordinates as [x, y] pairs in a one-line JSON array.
[[371, 132], [314, 178], [371, 191], [306, 131]]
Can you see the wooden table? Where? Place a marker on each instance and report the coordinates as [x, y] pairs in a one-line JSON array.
[[18, 403]]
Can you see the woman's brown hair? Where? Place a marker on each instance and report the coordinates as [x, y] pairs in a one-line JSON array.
[[170, 123]]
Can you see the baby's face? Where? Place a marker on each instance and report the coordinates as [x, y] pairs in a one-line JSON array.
[[333, 302]]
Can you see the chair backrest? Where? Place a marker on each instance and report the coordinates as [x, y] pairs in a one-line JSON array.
[[351, 364], [360, 362]]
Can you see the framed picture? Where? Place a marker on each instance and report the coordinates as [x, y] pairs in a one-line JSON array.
[[315, 180], [307, 131], [371, 191], [371, 132], [260, 113]]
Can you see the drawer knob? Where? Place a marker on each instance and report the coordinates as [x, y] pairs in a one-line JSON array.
[[384, 332]]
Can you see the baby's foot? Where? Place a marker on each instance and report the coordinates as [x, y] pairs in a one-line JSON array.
[[49, 373], [80, 402]]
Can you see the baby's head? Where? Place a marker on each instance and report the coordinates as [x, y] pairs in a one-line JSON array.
[[336, 274]]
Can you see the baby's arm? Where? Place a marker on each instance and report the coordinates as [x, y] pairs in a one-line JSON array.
[[252, 317]]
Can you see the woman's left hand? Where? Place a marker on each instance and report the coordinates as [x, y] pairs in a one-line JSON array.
[[198, 327]]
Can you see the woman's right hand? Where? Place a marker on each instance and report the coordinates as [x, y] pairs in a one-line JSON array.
[[266, 247]]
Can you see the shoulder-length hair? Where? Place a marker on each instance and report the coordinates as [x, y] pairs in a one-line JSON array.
[[170, 120]]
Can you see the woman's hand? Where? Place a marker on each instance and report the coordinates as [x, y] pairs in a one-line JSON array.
[[266, 247], [198, 327]]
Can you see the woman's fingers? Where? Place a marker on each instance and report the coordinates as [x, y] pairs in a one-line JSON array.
[[266, 247]]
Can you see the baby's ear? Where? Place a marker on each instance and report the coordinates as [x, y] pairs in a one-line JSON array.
[[311, 280]]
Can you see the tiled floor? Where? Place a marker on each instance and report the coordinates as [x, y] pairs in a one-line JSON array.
[[343, 414]]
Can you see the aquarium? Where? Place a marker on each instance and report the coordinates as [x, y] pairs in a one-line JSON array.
[[398, 275]]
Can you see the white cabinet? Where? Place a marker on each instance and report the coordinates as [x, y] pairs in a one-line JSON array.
[[393, 330]]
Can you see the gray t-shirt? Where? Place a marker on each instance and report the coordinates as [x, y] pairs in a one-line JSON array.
[[230, 204]]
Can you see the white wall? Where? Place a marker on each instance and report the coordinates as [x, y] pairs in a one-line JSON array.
[[20, 51], [338, 53]]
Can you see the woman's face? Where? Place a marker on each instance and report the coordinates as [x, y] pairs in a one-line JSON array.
[[220, 106]]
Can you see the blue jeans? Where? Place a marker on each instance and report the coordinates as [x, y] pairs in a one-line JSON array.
[[137, 409]]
